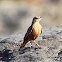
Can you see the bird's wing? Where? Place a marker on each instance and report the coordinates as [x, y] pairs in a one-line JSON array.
[[29, 31]]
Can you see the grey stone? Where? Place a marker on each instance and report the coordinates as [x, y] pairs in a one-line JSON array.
[[50, 49]]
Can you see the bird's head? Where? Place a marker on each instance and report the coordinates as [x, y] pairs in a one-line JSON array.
[[36, 19]]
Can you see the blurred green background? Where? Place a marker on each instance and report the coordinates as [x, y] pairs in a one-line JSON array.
[[16, 15]]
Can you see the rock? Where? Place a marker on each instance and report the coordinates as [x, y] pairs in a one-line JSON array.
[[50, 49]]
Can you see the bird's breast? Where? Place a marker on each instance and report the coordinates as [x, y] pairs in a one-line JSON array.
[[36, 30]]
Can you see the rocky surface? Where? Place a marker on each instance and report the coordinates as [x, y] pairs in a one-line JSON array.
[[50, 49]]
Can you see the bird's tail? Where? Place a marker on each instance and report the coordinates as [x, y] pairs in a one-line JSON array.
[[23, 44]]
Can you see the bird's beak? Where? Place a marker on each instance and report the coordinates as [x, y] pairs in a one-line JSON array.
[[40, 18]]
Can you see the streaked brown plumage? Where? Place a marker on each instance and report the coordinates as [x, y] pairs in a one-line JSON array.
[[33, 31]]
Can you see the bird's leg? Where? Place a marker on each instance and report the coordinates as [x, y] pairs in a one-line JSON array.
[[36, 43], [30, 43], [41, 38]]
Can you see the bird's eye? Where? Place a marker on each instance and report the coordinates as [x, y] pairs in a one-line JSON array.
[[36, 18]]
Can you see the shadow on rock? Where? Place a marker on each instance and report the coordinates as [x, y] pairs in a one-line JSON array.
[[27, 49], [24, 50], [6, 55]]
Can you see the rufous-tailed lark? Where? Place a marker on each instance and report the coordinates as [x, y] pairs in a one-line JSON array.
[[33, 32]]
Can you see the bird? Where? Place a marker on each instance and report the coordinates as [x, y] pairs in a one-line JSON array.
[[33, 32]]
